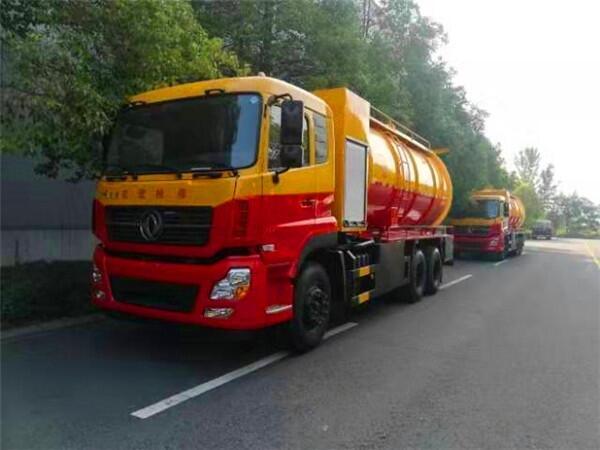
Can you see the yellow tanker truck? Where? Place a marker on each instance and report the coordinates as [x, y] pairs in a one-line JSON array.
[[242, 203], [491, 225]]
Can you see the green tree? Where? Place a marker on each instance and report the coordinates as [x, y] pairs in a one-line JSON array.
[[533, 206], [528, 163], [576, 214], [547, 188], [70, 64]]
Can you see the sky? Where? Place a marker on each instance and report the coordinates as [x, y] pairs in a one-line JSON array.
[[534, 66]]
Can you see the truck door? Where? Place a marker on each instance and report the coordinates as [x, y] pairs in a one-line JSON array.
[[290, 199]]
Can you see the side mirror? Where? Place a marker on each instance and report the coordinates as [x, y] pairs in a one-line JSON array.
[[506, 210], [292, 120], [291, 155]]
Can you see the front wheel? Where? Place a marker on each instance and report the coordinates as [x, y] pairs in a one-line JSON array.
[[312, 308]]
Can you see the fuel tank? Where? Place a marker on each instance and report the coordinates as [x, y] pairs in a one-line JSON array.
[[408, 183]]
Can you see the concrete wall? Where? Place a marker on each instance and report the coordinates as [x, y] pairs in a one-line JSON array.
[[20, 246], [41, 218]]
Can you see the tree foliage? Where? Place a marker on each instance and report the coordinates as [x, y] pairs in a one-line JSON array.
[[527, 163], [547, 187], [575, 214], [533, 207], [539, 191], [72, 63], [384, 51]]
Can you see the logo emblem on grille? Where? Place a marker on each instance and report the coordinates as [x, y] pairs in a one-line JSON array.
[[151, 225]]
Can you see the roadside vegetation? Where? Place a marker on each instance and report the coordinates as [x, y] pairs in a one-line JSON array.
[[570, 214], [42, 291]]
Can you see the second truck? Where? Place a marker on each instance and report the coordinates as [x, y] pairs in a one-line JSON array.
[[243, 203], [491, 225]]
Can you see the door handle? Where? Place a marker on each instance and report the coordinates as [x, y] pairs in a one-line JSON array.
[[308, 203]]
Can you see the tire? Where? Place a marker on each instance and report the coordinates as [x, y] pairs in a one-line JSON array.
[[435, 270], [312, 308], [417, 277]]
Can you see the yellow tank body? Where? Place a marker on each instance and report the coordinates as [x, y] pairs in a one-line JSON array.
[[408, 184]]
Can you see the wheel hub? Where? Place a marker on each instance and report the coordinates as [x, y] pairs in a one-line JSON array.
[[315, 307]]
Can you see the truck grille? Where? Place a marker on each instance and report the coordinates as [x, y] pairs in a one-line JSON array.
[[472, 230], [178, 225], [153, 294]]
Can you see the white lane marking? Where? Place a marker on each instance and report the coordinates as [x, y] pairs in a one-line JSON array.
[[453, 282], [176, 399], [340, 329], [500, 262]]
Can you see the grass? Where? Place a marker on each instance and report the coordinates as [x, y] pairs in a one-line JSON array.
[[41, 291]]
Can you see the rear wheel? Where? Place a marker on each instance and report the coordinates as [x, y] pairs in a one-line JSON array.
[[433, 279], [417, 277], [520, 246], [312, 308]]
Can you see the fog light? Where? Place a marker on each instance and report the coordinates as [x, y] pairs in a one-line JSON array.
[[234, 286], [96, 274], [218, 313], [493, 242], [99, 294]]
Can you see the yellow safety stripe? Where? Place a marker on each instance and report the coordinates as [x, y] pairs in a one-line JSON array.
[[362, 271], [364, 297]]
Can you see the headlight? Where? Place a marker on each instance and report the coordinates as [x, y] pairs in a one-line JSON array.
[[234, 286]]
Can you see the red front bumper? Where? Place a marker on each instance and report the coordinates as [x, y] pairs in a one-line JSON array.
[[269, 290], [486, 244]]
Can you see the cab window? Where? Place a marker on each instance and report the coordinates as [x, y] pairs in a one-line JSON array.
[[274, 140], [320, 138]]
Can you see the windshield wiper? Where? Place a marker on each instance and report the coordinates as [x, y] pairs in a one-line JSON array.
[[161, 167], [213, 167]]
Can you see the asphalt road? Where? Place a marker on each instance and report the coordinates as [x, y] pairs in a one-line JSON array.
[[508, 358]]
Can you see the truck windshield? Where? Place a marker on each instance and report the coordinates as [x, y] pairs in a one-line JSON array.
[[483, 209], [203, 133]]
